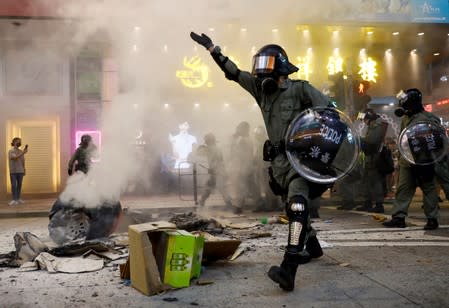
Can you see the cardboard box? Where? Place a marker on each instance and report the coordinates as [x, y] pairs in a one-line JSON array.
[[179, 257], [162, 257]]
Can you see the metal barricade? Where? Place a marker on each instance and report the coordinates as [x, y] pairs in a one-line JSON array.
[[192, 177]]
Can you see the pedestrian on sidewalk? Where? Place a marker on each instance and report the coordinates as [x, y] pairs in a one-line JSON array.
[[413, 176], [16, 159]]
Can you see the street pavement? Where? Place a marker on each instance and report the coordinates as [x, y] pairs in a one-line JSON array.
[[364, 265]]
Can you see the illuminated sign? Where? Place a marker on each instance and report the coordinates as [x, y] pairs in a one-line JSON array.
[[96, 139], [182, 146], [443, 102], [139, 139], [361, 88], [335, 64], [197, 74], [368, 69], [303, 65]]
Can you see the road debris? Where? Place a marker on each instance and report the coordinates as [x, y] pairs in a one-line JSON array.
[[193, 222]]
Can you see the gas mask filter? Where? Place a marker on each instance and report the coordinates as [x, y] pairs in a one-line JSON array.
[[269, 85], [402, 98]]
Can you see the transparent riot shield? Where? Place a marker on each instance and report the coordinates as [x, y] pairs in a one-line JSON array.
[[423, 143], [321, 145]]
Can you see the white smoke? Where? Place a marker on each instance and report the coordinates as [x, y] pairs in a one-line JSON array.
[[149, 40]]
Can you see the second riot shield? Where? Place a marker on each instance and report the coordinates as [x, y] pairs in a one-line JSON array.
[[423, 143], [321, 145]]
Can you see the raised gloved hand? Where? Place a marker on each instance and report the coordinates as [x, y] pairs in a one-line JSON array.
[[202, 39], [70, 171]]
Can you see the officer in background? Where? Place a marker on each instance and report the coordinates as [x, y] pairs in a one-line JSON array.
[[82, 158], [442, 175], [280, 99], [373, 179], [270, 201], [412, 176], [241, 168], [217, 173]]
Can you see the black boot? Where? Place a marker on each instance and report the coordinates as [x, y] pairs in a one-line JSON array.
[[346, 205], [366, 207], [432, 224], [285, 274], [395, 222], [379, 208], [314, 213], [313, 247]]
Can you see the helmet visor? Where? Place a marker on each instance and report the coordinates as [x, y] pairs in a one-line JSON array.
[[263, 64]]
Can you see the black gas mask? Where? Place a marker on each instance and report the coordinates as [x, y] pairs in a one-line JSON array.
[[410, 103], [269, 63], [268, 83]]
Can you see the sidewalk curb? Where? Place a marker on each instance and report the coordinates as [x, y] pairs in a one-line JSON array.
[[23, 214]]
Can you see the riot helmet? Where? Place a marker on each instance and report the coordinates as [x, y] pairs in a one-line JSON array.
[[242, 129], [410, 102], [209, 139], [269, 63], [370, 115], [85, 140]]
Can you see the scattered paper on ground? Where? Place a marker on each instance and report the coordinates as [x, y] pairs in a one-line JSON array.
[[68, 265]]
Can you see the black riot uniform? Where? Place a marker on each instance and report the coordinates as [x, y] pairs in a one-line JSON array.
[[280, 99], [412, 175]]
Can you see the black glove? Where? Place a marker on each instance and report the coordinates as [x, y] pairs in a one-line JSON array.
[[203, 40], [70, 171]]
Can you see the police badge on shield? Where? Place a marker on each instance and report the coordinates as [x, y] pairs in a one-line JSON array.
[[423, 143], [321, 144]]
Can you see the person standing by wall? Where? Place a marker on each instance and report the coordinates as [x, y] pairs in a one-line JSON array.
[[16, 169]]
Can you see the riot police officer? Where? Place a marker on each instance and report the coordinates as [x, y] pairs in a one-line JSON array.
[[82, 158], [372, 177], [280, 99], [217, 173], [412, 176]]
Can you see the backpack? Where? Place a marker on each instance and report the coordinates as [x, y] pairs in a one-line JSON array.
[[384, 162]]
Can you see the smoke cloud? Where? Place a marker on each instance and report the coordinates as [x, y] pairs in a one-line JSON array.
[[149, 40]]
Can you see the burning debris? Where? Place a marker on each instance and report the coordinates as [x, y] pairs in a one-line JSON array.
[[71, 221], [192, 222]]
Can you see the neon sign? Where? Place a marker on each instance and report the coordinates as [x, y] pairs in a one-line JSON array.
[[303, 65], [361, 88], [443, 102], [368, 69], [197, 74], [334, 65]]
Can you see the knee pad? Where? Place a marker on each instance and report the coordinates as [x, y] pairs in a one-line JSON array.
[[297, 213], [297, 209]]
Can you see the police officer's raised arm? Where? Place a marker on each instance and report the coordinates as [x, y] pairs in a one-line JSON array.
[[232, 72]]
